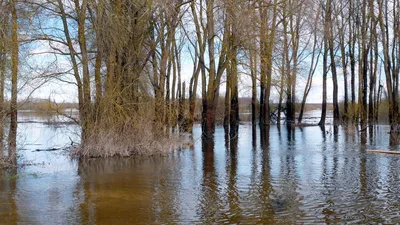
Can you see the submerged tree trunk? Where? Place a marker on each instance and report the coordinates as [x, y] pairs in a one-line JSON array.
[[75, 67], [227, 112], [393, 112], [2, 108], [342, 25], [12, 135], [295, 26], [266, 49], [97, 23], [192, 92], [3, 65], [233, 69], [215, 72], [86, 122], [352, 43], [373, 68], [336, 117], [234, 113], [364, 68], [253, 70], [324, 77], [282, 83], [173, 115], [263, 62], [287, 68]]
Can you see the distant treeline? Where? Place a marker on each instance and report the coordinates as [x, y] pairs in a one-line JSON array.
[[45, 105]]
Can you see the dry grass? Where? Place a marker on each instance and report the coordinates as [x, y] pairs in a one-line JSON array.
[[133, 138], [124, 129], [350, 129]]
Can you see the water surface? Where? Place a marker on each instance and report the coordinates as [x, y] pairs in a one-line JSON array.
[[269, 176]]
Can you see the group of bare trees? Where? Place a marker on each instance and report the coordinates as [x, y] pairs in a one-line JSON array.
[[126, 57], [362, 38], [284, 41]]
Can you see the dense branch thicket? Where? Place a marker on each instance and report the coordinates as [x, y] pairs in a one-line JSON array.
[[126, 59]]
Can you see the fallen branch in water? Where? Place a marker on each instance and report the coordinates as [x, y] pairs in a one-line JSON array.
[[385, 152]]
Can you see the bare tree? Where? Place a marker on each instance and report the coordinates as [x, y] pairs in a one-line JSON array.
[[12, 135]]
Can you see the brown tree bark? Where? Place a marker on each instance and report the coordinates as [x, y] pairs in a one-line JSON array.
[[352, 44], [328, 15], [324, 78], [4, 20], [215, 72], [342, 28], [97, 20], [364, 67], [253, 71], [393, 108], [72, 54], [294, 28], [86, 122], [373, 65], [12, 135], [227, 112]]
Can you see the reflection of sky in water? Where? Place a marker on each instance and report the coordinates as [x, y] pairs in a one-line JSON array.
[[33, 136], [43, 193], [304, 175]]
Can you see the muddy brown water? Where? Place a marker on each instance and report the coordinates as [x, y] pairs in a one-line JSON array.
[[275, 176]]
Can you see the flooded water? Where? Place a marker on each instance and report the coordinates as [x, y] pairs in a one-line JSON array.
[[273, 176]]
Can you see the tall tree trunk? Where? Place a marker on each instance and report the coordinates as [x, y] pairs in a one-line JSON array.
[[287, 67], [373, 67], [97, 23], [295, 22], [174, 57], [182, 106], [282, 83], [168, 92], [12, 135], [2, 82], [227, 112], [233, 64], [253, 70], [75, 67], [364, 67], [352, 43], [192, 93], [268, 63], [215, 72], [342, 25], [324, 77], [86, 123], [336, 116], [263, 62], [3, 57], [234, 114], [383, 23], [270, 48]]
